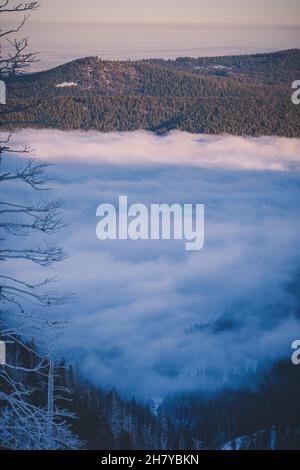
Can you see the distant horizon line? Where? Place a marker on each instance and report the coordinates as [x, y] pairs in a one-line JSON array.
[[162, 23], [103, 59]]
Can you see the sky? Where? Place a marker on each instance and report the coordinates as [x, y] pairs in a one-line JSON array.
[[272, 12], [149, 317], [64, 30]]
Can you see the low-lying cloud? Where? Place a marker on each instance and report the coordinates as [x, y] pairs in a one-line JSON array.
[[149, 317], [176, 148]]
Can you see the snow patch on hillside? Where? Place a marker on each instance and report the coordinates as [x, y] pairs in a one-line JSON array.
[[66, 84]]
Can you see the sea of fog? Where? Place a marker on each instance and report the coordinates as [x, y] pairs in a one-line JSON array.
[[148, 316], [58, 43]]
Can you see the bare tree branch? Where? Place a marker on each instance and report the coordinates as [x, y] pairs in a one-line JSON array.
[[17, 59], [16, 29], [23, 6], [43, 218], [32, 173]]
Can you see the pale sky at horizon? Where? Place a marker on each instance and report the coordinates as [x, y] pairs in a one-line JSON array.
[[268, 12], [64, 30]]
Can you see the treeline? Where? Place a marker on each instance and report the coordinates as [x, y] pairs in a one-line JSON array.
[[269, 68], [264, 416], [161, 95], [251, 116]]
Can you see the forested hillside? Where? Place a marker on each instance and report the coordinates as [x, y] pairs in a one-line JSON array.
[[266, 416], [270, 69], [243, 95]]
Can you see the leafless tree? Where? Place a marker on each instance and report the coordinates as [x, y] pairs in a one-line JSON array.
[[26, 227], [24, 425], [23, 228], [17, 58], [21, 221]]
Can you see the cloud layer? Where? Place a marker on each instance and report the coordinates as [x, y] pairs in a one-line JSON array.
[[176, 148], [150, 317]]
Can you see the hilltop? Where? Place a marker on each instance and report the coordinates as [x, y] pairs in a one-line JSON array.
[[242, 95]]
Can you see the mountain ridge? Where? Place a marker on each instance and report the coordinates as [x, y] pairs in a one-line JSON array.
[[241, 95]]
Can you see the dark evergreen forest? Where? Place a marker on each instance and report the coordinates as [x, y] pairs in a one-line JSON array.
[[240, 95]]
